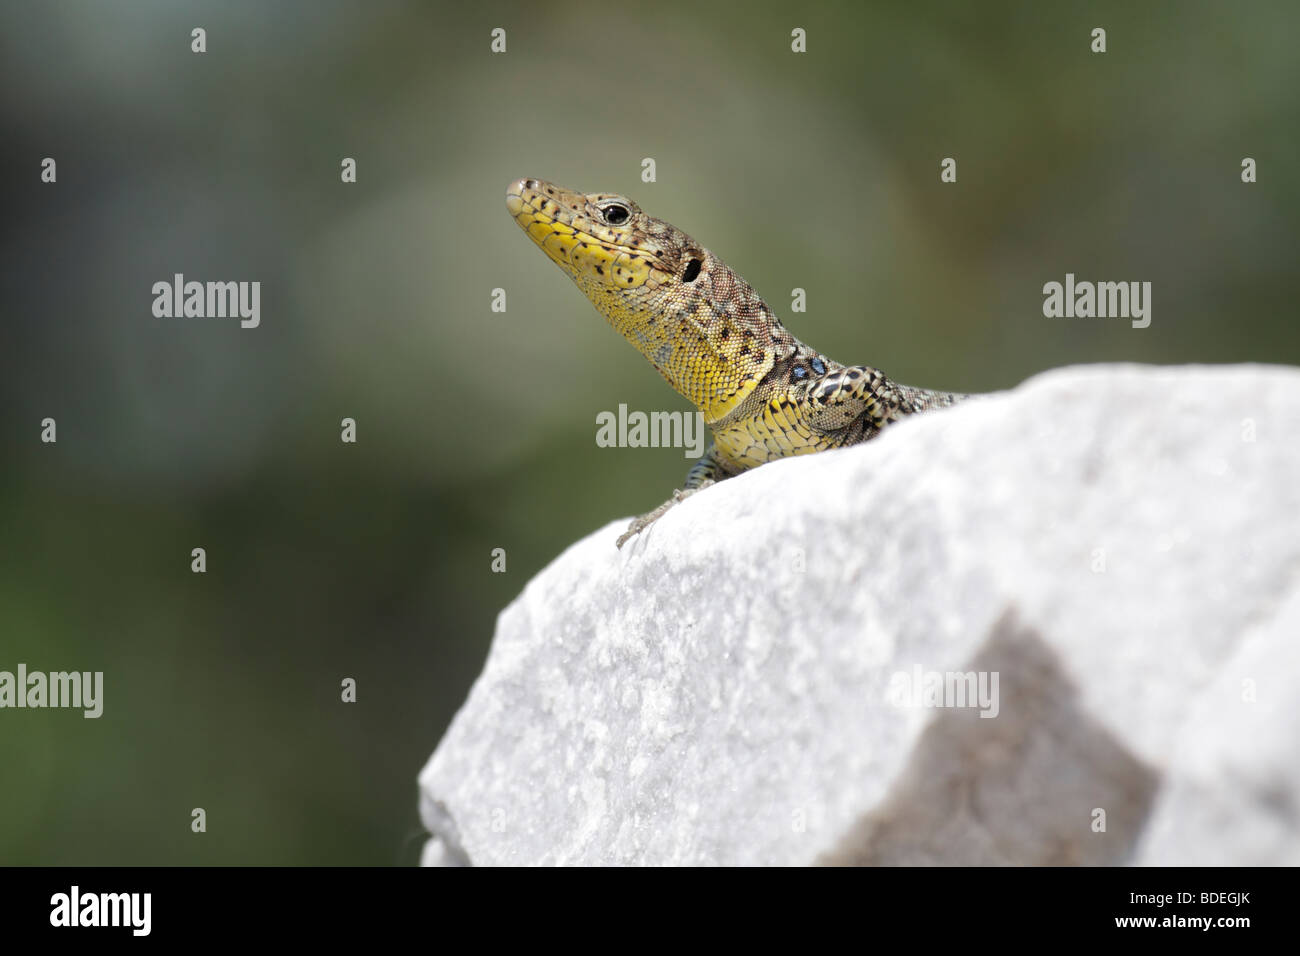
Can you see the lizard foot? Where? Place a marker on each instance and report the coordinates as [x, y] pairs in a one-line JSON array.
[[646, 520]]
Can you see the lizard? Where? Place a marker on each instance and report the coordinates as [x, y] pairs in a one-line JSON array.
[[763, 393]]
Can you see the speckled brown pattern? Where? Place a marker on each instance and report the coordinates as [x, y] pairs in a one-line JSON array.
[[764, 394]]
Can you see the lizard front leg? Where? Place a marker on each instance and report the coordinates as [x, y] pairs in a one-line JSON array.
[[707, 471], [837, 398]]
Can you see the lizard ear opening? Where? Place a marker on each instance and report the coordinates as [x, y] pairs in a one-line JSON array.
[[692, 270]]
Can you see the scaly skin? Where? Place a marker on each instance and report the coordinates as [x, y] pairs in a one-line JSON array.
[[764, 394]]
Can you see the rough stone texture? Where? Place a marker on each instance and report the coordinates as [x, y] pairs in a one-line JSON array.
[[1120, 544]]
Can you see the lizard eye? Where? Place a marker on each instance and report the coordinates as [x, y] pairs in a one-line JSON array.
[[616, 214]]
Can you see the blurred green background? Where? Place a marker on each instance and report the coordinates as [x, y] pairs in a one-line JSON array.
[[477, 429]]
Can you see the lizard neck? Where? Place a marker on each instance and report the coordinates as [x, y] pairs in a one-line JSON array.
[[714, 340]]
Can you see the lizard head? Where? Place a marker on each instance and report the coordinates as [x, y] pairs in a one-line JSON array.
[[705, 330], [605, 243]]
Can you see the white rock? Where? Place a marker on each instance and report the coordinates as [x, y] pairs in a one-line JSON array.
[[1119, 544]]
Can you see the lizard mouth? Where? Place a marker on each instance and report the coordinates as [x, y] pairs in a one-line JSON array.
[[557, 221], [548, 204]]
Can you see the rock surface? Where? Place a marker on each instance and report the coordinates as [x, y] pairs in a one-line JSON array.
[[746, 682]]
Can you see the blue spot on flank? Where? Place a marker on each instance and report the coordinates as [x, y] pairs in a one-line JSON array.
[[818, 366], [799, 372]]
